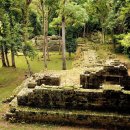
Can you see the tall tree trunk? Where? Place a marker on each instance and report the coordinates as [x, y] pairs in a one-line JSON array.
[[45, 35], [6, 57], [13, 56], [25, 29], [87, 30], [3, 57], [63, 44], [25, 34], [103, 35], [60, 44], [63, 41], [84, 31], [103, 29], [48, 56], [113, 40]]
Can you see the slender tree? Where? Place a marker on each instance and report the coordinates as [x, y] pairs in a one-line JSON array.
[[25, 32], [45, 47], [69, 13], [2, 55], [44, 11], [64, 67], [1, 47]]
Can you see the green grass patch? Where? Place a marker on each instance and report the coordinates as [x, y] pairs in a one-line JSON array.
[[10, 78]]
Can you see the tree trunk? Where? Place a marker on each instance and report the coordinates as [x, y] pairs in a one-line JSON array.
[[69, 55], [3, 57], [45, 35], [25, 29], [25, 34], [13, 57], [84, 32], [63, 44], [28, 64], [87, 30], [103, 35], [6, 57], [48, 56], [44, 32], [113, 41], [60, 46], [26, 15]]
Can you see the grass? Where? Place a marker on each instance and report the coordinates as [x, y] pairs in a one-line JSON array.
[[10, 78]]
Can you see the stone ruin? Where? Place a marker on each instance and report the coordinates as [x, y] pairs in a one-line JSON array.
[[52, 80], [112, 73], [103, 99], [54, 42]]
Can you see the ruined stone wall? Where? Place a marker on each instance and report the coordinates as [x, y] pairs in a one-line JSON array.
[[107, 100], [112, 73], [48, 79]]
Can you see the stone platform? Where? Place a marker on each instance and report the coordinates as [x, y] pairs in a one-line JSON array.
[[101, 99], [53, 97], [104, 107]]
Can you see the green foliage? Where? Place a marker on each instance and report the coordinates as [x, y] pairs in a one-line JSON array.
[[110, 16], [51, 32], [119, 49], [124, 40], [35, 23], [71, 45], [11, 36], [71, 40], [75, 15], [55, 22], [28, 50]]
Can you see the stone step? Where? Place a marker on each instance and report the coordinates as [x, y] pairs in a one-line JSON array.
[[87, 118]]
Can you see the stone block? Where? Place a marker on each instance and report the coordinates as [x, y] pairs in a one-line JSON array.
[[112, 73], [32, 85], [51, 80]]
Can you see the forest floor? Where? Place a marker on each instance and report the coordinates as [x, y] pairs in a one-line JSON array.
[[11, 78]]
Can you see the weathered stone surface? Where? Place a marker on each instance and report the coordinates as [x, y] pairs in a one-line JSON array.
[[113, 73], [32, 84], [103, 100], [49, 80]]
